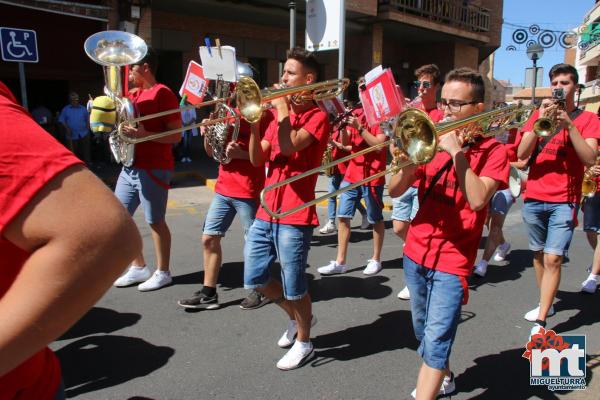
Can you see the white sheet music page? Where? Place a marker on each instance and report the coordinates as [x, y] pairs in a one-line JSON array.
[[219, 63]]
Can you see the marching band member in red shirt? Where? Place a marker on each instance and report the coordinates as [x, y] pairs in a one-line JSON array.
[[442, 242], [554, 185], [293, 143]]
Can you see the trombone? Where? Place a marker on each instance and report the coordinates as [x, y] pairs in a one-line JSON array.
[[250, 101], [418, 137]]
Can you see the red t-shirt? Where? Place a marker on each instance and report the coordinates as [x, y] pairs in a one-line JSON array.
[[30, 158], [281, 167], [339, 153], [368, 164], [239, 178], [154, 155], [557, 172], [445, 233]]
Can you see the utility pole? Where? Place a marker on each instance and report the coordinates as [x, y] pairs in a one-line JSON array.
[[292, 7]]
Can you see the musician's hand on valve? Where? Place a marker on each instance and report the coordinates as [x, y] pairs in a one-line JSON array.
[[451, 143], [280, 102], [233, 150], [203, 127], [562, 119], [595, 170], [546, 107], [134, 132], [353, 122]]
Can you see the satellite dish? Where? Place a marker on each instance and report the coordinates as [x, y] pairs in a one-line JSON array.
[[535, 51]]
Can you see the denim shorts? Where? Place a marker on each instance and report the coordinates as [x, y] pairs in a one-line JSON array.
[[435, 303], [501, 202], [267, 241], [136, 186], [549, 225], [591, 214], [350, 199], [222, 210], [406, 206]]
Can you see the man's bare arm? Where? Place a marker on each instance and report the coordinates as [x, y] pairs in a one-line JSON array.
[[80, 239]]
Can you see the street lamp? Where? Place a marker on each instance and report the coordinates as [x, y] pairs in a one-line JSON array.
[[534, 52]]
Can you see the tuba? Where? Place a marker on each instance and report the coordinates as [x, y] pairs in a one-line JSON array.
[[115, 51]]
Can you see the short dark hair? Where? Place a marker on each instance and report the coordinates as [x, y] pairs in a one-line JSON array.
[[470, 76], [429, 69], [306, 58], [151, 58], [564, 69]]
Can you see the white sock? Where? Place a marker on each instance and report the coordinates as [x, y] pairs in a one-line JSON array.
[[303, 345], [142, 267], [592, 276]]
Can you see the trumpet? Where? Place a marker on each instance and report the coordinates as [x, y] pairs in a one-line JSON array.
[[417, 137], [546, 126]]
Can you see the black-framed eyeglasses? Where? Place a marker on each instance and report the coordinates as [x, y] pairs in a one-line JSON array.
[[426, 84], [455, 105]]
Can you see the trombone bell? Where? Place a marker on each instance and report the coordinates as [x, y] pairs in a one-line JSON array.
[[417, 135]]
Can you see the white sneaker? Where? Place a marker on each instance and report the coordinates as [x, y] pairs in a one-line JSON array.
[[533, 314], [296, 356], [448, 387], [333, 268], [373, 267], [480, 269], [502, 251], [589, 285], [365, 224], [288, 337], [404, 294], [536, 328], [133, 275], [157, 280], [329, 227]]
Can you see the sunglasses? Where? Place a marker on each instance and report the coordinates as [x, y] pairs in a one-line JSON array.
[[426, 84]]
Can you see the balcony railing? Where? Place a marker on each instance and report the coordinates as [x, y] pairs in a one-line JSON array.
[[451, 12]]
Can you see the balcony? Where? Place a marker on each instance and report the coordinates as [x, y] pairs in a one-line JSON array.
[[447, 12]]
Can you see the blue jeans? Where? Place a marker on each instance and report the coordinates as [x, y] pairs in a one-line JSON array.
[[435, 302], [350, 199], [267, 241], [334, 184], [136, 186], [591, 214], [406, 206], [222, 210], [549, 225]]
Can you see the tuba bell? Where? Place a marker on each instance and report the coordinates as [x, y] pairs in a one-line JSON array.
[[115, 51]]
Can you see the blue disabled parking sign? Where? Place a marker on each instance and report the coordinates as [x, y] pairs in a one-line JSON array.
[[18, 45]]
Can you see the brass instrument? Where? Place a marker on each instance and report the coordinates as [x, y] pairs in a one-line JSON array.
[[589, 184], [115, 51], [251, 100], [417, 137], [546, 125], [327, 159]]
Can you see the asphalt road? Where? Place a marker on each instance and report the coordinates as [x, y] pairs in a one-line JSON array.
[[135, 345]]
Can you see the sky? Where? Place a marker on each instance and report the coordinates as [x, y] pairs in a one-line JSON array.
[[554, 15]]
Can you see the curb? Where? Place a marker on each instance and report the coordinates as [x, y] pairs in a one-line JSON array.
[[211, 183]]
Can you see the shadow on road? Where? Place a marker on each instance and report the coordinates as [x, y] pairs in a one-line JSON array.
[[501, 374], [392, 331], [518, 261], [340, 286], [100, 320], [585, 304], [97, 362]]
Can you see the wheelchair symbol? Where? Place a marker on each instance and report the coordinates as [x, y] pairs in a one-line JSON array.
[[15, 48]]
